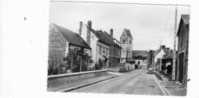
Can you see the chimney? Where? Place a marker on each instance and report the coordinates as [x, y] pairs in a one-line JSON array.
[[111, 32], [163, 47], [89, 24], [89, 27], [80, 27]]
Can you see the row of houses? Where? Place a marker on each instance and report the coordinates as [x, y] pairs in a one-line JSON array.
[[87, 49], [102, 43], [162, 59]]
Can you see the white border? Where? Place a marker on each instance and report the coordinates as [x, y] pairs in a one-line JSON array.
[[24, 49]]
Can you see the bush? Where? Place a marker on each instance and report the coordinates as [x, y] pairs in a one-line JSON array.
[[58, 67], [53, 70]]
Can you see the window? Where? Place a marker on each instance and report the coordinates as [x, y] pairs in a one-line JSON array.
[[123, 41], [129, 41], [92, 36], [107, 51], [100, 50], [104, 50]]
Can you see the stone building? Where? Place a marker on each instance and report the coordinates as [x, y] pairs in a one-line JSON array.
[[62, 42], [115, 50], [126, 40], [102, 44], [182, 51]]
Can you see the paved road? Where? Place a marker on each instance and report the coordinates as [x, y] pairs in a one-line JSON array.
[[135, 82]]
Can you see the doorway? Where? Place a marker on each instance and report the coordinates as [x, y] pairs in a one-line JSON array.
[[181, 65]]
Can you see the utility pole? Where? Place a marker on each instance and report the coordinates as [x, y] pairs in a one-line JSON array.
[[174, 46]]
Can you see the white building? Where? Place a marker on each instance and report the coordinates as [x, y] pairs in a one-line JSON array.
[[98, 43], [126, 40], [159, 54]]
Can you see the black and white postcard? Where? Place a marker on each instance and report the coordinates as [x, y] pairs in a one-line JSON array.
[[118, 48]]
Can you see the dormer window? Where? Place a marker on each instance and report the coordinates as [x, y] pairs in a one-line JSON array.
[[124, 41]]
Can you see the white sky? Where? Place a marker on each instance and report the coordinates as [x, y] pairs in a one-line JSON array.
[[150, 25]]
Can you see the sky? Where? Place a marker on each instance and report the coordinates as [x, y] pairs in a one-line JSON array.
[[150, 25]]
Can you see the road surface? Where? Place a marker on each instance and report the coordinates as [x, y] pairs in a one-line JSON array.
[[135, 82]]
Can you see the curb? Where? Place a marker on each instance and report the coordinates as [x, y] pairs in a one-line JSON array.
[[84, 85], [158, 75], [163, 89]]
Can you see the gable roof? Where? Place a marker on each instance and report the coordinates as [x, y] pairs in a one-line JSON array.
[[185, 18], [127, 32], [184, 21], [104, 37], [168, 52], [72, 37]]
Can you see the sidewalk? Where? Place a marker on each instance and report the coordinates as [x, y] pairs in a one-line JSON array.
[[65, 87], [114, 69], [173, 88]]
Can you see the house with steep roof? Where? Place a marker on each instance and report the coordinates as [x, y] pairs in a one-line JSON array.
[[182, 50], [63, 42], [115, 49], [102, 44], [163, 58]]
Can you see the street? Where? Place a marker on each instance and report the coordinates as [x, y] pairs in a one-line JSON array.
[[126, 49], [135, 82]]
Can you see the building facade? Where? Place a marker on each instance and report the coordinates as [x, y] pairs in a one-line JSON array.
[[65, 47], [115, 50], [151, 59], [164, 61], [126, 40], [100, 50], [116, 53], [102, 44], [182, 51]]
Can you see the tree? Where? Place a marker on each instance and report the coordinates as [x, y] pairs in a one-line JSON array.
[[78, 60]]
